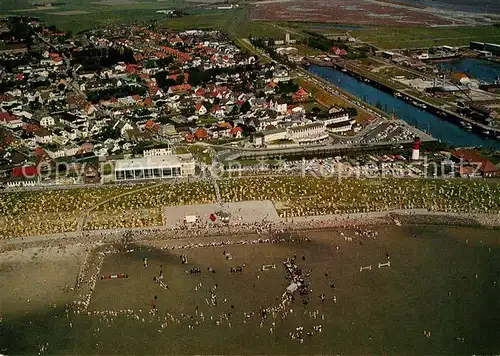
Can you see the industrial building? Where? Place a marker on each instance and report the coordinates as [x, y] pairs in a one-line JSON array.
[[489, 47], [155, 167]]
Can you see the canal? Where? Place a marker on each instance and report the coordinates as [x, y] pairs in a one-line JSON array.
[[475, 68], [443, 130]]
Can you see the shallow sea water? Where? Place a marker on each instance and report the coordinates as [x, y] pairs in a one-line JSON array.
[[430, 285]]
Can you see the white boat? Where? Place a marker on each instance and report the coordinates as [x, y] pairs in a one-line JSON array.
[[466, 125], [486, 132]]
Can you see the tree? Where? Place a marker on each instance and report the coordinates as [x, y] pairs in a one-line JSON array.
[[109, 133], [164, 62], [235, 110], [315, 110], [149, 64], [245, 107]]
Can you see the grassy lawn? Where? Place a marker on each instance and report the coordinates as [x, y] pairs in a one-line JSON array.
[[389, 37], [313, 104], [206, 120], [200, 152], [306, 50], [327, 100], [391, 72]]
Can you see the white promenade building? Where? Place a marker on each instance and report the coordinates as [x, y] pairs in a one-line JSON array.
[[155, 167], [338, 121], [308, 133]]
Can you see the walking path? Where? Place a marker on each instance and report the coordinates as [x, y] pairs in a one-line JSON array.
[[84, 215]]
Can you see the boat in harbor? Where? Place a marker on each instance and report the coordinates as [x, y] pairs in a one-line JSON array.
[[397, 94], [466, 125], [438, 57]]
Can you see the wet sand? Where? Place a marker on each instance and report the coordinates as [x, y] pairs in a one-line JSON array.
[[35, 279]]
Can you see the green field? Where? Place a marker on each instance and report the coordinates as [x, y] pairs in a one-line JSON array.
[[234, 22], [87, 14], [389, 37]]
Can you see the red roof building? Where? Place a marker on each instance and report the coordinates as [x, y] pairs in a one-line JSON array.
[[26, 171], [470, 157], [338, 52], [300, 95], [236, 132], [201, 134], [199, 92], [178, 54], [176, 89], [176, 76], [132, 69], [151, 125]]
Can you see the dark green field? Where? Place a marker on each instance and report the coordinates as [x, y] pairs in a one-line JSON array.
[[389, 37]]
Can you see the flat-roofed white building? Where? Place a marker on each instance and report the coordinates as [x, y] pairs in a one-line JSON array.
[[155, 167], [308, 133], [274, 135]]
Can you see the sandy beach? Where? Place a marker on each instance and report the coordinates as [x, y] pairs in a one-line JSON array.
[[38, 278]]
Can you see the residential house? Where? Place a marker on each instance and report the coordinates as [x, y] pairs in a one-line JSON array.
[[270, 88], [281, 75], [262, 123], [279, 105], [123, 127], [91, 174], [218, 111], [201, 134], [178, 89], [43, 135], [236, 132], [300, 95], [10, 121], [200, 109], [47, 121]]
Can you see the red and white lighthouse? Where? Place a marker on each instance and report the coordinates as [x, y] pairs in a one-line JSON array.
[[415, 152]]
